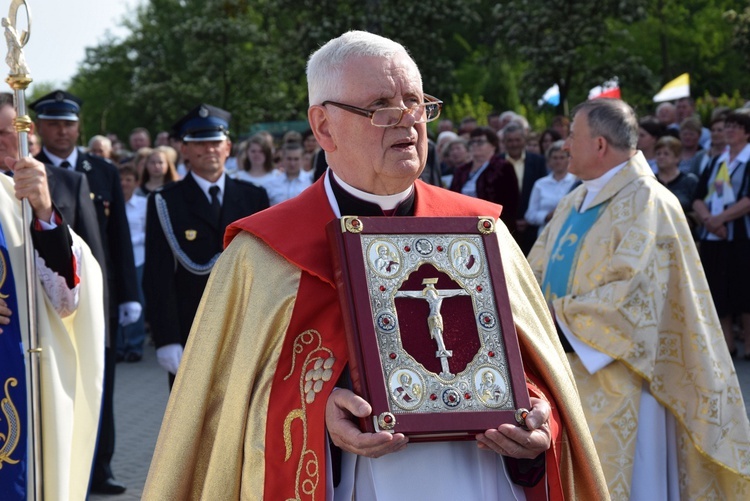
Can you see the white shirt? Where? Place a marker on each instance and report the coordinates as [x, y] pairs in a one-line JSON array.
[[56, 161], [135, 210], [545, 195], [282, 188], [260, 181], [204, 185]]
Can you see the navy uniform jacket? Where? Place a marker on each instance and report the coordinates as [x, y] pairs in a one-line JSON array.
[[72, 197], [172, 291], [109, 204]]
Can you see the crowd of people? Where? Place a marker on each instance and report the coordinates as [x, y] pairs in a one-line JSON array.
[[605, 224]]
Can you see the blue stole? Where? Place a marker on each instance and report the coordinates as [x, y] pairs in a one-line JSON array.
[[561, 265], [13, 406]]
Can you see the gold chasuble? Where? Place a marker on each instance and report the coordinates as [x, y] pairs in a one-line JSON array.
[[630, 284], [246, 417]]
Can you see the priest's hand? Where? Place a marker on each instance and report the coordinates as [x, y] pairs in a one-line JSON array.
[[30, 179], [342, 406], [5, 313], [514, 441]]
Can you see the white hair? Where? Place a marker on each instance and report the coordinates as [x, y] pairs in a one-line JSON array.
[[326, 65], [106, 142]]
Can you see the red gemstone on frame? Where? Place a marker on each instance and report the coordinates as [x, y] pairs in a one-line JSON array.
[[486, 224], [487, 319], [382, 288], [440, 248], [392, 356], [452, 398], [386, 321], [467, 396], [479, 288], [407, 248], [433, 397], [355, 223], [491, 354], [388, 419]]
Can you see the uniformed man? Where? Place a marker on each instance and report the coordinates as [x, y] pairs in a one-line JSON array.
[[185, 225], [58, 126]]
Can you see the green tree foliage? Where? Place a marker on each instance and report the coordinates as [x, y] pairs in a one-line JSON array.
[[740, 22], [685, 36], [248, 56], [572, 44]]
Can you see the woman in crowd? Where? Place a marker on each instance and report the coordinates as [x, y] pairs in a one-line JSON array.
[[159, 170], [549, 190], [690, 136], [256, 162], [131, 337], [649, 131], [722, 202], [681, 184], [487, 176], [548, 137], [704, 157]]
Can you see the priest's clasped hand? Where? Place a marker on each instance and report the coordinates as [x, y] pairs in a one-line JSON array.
[[31, 182], [344, 404], [513, 441]]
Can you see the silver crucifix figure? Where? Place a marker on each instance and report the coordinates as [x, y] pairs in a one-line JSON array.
[[434, 299]]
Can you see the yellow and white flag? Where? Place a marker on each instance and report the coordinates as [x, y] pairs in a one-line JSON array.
[[676, 89]]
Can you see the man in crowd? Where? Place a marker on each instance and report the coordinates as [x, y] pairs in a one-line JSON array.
[[529, 167], [139, 138], [58, 126], [272, 300], [619, 268], [294, 180], [70, 328], [185, 225], [685, 108], [101, 146], [666, 113]]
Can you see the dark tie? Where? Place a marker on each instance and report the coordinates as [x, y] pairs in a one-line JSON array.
[[215, 205], [65, 164]]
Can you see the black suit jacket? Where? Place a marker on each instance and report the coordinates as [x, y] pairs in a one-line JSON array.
[[109, 205], [535, 167], [172, 292]]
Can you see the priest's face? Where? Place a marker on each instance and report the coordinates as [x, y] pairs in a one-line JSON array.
[[378, 160], [582, 147]]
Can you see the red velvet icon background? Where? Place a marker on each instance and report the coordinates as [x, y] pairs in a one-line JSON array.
[[459, 325]]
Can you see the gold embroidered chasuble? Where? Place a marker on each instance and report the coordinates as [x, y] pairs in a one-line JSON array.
[[223, 436], [637, 292]]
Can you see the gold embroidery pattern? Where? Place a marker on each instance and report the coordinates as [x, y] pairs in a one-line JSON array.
[[3, 274], [315, 371], [9, 441]]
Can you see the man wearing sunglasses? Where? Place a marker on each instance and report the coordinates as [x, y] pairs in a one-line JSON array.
[[263, 431]]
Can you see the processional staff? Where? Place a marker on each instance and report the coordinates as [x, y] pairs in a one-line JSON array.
[[19, 79]]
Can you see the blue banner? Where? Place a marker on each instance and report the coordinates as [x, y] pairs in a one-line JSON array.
[[13, 408]]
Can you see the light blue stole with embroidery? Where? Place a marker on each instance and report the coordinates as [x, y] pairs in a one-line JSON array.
[[562, 262]]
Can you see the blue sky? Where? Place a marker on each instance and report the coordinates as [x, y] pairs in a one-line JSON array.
[[62, 29]]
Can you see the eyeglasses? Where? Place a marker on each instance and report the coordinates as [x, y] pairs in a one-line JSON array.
[[391, 117], [478, 142]]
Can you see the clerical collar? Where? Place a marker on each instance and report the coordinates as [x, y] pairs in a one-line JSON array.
[[594, 186], [56, 161], [352, 201]]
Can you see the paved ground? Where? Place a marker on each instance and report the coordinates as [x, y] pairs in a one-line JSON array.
[[141, 393], [141, 397]]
